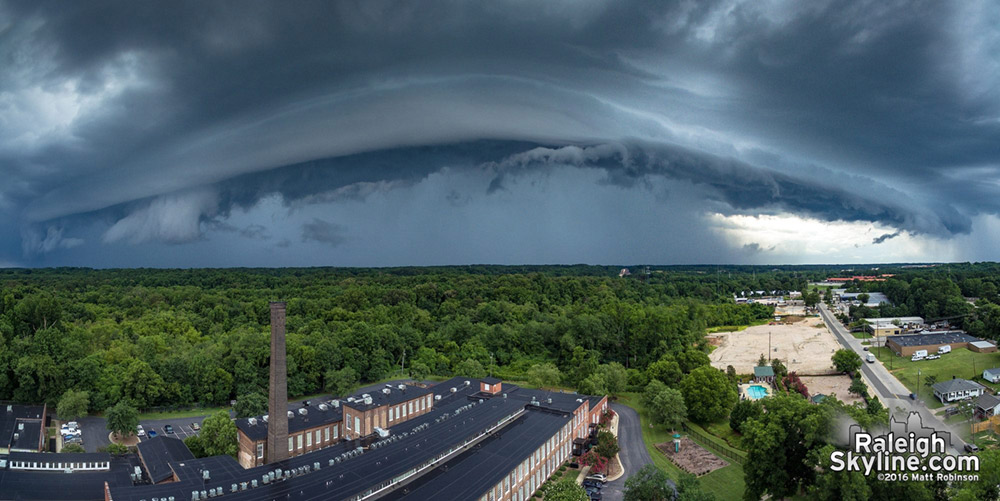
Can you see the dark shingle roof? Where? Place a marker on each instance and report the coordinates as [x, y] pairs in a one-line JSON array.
[[158, 452], [932, 339], [491, 380], [9, 418], [953, 385]]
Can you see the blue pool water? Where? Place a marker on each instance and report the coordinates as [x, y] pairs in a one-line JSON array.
[[757, 391]]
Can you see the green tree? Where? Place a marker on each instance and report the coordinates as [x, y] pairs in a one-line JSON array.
[[218, 435], [665, 370], [731, 374], [122, 419], [250, 404], [810, 298], [614, 376], [73, 405], [858, 387], [72, 448], [341, 382], [779, 368], [607, 444], [593, 384], [779, 444], [863, 298], [545, 375], [565, 490], [744, 411], [708, 394], [668, 408], [470, 368], [846, 360], [648, 484], [762, 361], [116, 449], [836, 485]]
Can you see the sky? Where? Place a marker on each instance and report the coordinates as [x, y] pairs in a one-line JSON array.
[[372, 133]]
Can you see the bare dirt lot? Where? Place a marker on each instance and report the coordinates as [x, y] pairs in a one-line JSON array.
[[831, 385], [801, 346], [692, 458]]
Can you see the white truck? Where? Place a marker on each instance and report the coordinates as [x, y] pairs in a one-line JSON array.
[[871, 358], [944, 349], [918, 355]]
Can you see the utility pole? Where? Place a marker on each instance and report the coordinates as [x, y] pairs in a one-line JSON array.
[[768, 346], [402, 365], [918, 384], [491, 364]]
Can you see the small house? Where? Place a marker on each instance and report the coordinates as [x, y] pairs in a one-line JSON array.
[[992, 375], [956, 389], [987, 406], [763, 374]]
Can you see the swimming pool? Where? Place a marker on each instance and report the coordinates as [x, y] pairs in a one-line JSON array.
[[756, 391]]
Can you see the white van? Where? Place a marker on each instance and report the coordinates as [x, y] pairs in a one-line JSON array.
[[945, 349], [871, 358]]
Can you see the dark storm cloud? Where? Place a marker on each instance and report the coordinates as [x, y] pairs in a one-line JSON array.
[[157, 122], [323, 232], [885, 236]]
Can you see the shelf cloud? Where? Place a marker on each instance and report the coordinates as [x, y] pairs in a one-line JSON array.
[[186, 130]]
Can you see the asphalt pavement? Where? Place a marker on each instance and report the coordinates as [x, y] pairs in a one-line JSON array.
[[631, 450]]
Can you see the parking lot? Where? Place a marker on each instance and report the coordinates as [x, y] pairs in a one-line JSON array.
[[182, 427]]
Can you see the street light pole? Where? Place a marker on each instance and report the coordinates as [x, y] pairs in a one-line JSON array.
[[918, 384]]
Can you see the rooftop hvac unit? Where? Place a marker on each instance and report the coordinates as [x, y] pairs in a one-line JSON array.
[[205, 475], [480, 400], [20, 426], [234, 488], [331, 462], [243, 486], [252, 421], [579, 400], [291, 414], [467, 382], [350, 399], [15, 436], [253, 484], [171, 498], [368, 400], [303, 411], [402, 387], [365, 395], [138, 471], [10, 408], [264, 418], [549, 400], [204, 494], [265, 479], [195, 496], [437, 397], [323, 407], [453, 390], [316, 465], [504, 395], [335, 403], [386, 391]]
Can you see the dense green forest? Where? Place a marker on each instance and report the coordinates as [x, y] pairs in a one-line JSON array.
[[200, 337]]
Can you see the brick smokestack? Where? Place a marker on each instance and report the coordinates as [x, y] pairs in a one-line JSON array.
[[277, 405]]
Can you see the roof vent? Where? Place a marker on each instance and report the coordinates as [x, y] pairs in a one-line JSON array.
[[20, 426], [264, 418], [350, 399], [335, 403], [386, 391], [291, 414], [437, 397], [324, 407], [467, 382], [365, 395], [402, 387], [303, 411], [453, 389], [549, 400], [252, 421], [368, 400]]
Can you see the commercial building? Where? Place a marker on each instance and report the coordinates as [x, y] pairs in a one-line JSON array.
[[157, 453], [892, 326], [982, 346], [874, 298], [21, 427], [62, 462], [906, 345]]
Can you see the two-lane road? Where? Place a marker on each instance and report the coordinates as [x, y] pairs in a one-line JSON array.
[[890, 391]]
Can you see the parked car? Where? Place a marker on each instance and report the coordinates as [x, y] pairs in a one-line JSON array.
[[195, 426], [152, 433], [865, 348], [139, 431], [593, 490], [68, 428], [933, 357], [168, 429], [596, 496], [600, 477], [591, 484], [70, 436], [971, 448]]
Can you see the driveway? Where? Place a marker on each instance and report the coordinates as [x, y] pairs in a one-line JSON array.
[[632, 450]]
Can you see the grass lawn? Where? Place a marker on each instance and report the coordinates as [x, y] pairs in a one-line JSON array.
[[960, 363], [725, 483], [736, 328], [206, 411], [722, 430]]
